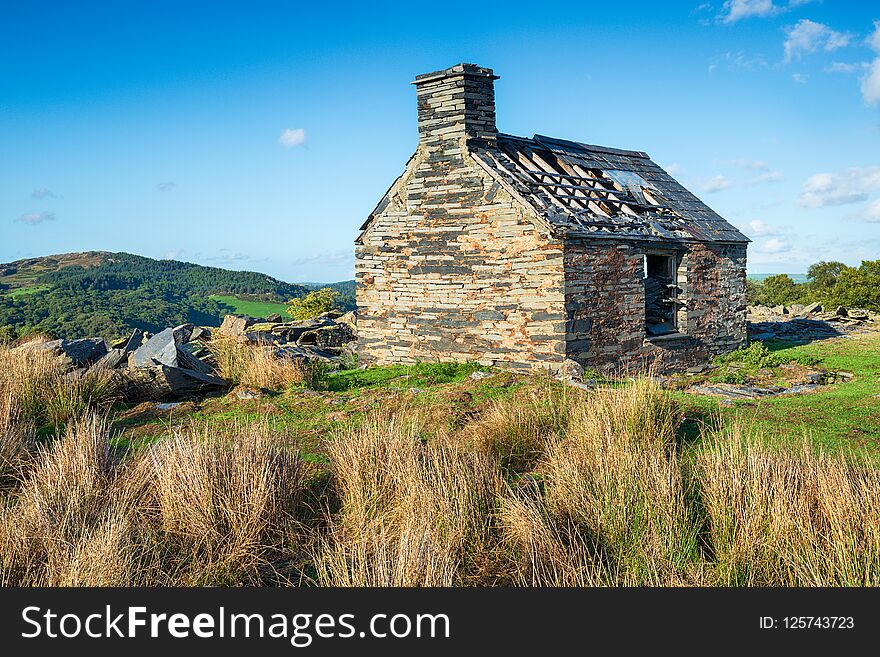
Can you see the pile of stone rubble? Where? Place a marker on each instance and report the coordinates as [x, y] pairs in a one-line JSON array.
[[805, 323], [177, 363]]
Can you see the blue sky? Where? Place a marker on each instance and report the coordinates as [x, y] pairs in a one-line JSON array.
[[259, 135]]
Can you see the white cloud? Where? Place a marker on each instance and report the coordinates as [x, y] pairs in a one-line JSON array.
[[230, 256], [739, 61], [871, 213], [34, 218], [674, 169], [166, 186], [807, 36], [174, 254], [42, 192], [775, 245], [736, 10], [800, 78], [716, 184], [339, 257], [749, 165], [766, 177], [874, 39], [841, 67], [292, 137], [840, 188], [759, 228], [871, 84]]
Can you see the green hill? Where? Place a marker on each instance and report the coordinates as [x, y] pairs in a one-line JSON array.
[[108, 294]]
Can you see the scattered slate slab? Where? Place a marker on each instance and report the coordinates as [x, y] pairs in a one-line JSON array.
[[72, 353], [158, 382], [734, 391], [113, 359]]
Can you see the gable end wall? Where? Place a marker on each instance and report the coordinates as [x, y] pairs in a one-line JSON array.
[[452, 269]]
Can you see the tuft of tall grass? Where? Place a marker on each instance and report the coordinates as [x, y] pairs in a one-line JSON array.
[[16, 439], [617, 476], [412, 512], [63, 507], [46, 393], [224, 500], [259, 367], [789, 516], [516, 432]]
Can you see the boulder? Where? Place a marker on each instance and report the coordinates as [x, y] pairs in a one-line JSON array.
[[306, 353], [812, 308], [796, 308], [162, 348], [113, 359], [857, 313], [779, 310], [840, 311], [200, 333], [331, 314], [274, 317], [72, 353], [349, 318], [135, 340], [334, 335], [155, 382], [571, 370], [236, 324]]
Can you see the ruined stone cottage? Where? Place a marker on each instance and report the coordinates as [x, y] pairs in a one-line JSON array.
[[524, 252]]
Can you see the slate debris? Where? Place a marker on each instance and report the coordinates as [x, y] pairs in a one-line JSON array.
[[72, 354]]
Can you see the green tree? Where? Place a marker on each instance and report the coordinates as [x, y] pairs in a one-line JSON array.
[[779, 289], [313, 304], [858, 287], [823, 277]]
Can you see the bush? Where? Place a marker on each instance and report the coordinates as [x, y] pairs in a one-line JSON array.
[[313, 304], [757, 355]]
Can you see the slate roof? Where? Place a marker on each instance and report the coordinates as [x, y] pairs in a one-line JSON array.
[[581, 190]]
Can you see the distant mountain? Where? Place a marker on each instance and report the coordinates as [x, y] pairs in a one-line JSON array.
[[107, 294]]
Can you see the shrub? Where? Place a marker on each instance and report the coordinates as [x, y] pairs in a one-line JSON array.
[[313, 304]]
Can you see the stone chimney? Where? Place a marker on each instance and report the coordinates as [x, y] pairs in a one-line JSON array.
[[457, 103]]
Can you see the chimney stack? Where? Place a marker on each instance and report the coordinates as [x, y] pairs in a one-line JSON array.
[[457, 103]]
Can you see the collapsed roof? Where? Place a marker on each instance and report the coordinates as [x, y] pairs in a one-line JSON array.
[[580, 190]]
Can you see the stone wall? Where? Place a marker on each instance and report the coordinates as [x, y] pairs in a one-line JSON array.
[[452, 270], [605, 299]]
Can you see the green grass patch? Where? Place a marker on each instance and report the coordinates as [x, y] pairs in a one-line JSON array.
[[840, 416], [402, 376], [251, 308], [25, 291]]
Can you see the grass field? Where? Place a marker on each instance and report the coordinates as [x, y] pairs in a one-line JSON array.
[[251, 308], [23, 291]]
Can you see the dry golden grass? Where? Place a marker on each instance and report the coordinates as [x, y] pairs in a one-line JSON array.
[[225, 500], [45, 393], [789, 516], [516, 432], [257, 366], [413, 512]]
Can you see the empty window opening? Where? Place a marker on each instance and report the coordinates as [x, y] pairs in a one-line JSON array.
[[661, 291]]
